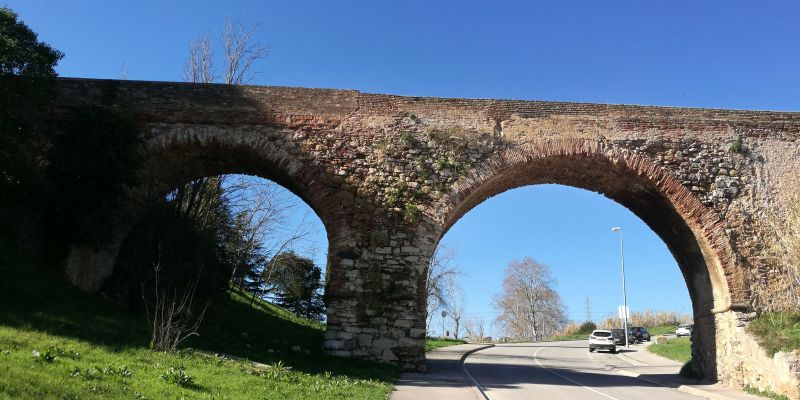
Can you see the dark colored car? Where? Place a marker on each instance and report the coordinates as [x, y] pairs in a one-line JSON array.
[[619, 336], [640, 333]]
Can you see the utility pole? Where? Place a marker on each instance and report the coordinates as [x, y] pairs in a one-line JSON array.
[[588, 310], [624, 293]]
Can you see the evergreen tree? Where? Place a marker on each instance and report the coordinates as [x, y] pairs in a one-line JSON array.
[[297, 283]]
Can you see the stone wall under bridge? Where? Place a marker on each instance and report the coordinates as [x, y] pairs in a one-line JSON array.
[[389, 175]]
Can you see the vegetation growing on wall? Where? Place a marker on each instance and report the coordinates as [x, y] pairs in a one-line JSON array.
[[432, 157]]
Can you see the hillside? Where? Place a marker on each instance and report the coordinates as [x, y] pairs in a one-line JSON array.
[[59, 343]]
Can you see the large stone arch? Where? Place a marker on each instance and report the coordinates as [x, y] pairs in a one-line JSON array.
[[181, 154], [693, 232]]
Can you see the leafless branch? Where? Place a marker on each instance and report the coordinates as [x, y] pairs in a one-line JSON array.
[[199, 67], [172, 316], [240, 51]]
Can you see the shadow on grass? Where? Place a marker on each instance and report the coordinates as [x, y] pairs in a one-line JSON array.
[[32, 297]]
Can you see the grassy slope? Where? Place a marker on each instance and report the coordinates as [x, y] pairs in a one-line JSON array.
[[38, 312], [777, 331], [679, 349]]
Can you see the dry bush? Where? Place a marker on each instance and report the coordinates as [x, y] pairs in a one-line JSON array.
[[783, 248], [172, 313], [569, 329], [648, 318]]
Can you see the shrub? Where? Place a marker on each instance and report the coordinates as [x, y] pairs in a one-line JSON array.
[[778, 331], [411, 212], [687, 371], [587, 327], [178, 376], [736, 146]]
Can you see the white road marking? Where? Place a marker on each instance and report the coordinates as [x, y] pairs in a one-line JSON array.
[[535, 358]]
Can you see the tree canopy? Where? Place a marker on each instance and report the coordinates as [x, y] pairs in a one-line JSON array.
[[297, 283], [21, 53]]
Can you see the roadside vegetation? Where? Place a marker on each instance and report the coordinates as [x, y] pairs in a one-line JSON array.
[[662, 330], [656, 322], [437, 343], [778, 331], [678, 349], [767, 394], [59, 343]]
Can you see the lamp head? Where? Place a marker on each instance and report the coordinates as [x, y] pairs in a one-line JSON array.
[[616, 229]]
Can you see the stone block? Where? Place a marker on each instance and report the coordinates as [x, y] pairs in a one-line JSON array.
[[389, 356]]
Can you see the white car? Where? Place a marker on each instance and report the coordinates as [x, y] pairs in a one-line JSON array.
[[684, 330], [602, 339]]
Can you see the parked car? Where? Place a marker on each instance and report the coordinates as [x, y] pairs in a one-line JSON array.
[[602, 340], [684, 330], [640, 333], [619, 335]]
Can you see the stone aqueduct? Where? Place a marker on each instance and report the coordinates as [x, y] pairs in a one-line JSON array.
[[389, 175]]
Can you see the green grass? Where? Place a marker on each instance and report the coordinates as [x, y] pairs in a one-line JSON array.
[[59, 343], [662, 330], [777, 331], [436, 343], [679, 349], [764, 393]]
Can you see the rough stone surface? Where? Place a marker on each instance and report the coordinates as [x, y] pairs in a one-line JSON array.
[[389, 175]]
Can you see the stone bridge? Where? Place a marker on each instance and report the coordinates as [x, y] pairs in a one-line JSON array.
[[389, 175]]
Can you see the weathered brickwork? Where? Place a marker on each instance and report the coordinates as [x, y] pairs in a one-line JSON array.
[[389, 175]]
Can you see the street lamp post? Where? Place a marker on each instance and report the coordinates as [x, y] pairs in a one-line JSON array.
[[624, 293]]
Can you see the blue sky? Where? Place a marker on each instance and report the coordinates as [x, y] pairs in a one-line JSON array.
[[732, 54]]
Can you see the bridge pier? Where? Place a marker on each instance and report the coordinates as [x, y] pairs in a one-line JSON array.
[[376, 297]]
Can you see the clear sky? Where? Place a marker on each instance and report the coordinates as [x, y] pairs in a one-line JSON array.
[[731, 54]]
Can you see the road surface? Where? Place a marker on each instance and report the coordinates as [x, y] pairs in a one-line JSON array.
[[558, 370]]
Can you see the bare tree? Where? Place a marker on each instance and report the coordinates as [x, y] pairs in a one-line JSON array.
[[476, 329], [262, 214], [529, 308], [199, 67], [171, 313], [240, 51], [441, 271], [454, 303]]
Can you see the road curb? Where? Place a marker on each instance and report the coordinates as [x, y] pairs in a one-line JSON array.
[[476, 386]]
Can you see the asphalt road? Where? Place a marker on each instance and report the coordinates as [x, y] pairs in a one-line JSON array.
[[557, 370]]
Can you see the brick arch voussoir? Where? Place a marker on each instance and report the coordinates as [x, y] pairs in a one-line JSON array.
[[706, 223], [248, 153]]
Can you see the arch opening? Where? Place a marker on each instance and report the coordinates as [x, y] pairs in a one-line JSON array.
[[173, 160], [651, 194]]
